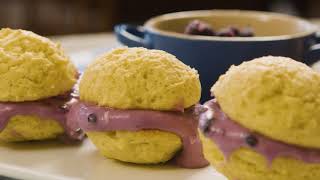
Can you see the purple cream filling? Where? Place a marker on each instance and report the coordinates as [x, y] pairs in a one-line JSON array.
[[230, 136], [182, 124], [52, 108]]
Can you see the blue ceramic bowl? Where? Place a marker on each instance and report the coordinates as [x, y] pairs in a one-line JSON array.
[[276, 34]]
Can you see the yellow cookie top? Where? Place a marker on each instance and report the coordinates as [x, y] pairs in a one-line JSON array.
[[275, 96], [32, 67], [138, 78]]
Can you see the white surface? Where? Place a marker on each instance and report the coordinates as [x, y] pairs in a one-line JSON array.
[[55, 161], [83, 48]]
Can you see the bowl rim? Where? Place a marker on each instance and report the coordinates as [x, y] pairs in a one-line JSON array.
[[150, 25]]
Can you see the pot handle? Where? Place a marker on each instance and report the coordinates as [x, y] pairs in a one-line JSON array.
[[313, 55], [132, 35]]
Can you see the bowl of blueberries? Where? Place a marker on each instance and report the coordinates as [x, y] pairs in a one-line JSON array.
[[198, 27], [212, 40]]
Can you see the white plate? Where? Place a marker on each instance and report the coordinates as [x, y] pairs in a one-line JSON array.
[[52, 160], [55, 161]]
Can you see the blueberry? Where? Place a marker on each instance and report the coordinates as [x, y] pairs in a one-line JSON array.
[[205, 125], [206, 120], [235, 30], [251, 140], [197, 27], [226, 32], [64, 108], [92, 118], [246, 32], [79, 130]]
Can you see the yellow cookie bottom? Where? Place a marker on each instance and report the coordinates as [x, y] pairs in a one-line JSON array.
[[30, 128], [141, 147], [246, 164]]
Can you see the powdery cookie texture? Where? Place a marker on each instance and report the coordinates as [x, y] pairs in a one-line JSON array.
[[138, 78], [32, 67], [275, 96]]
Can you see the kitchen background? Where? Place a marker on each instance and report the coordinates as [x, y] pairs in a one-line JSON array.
[[56, 17]]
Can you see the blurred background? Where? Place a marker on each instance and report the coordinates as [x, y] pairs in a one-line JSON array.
[[57, 17]]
